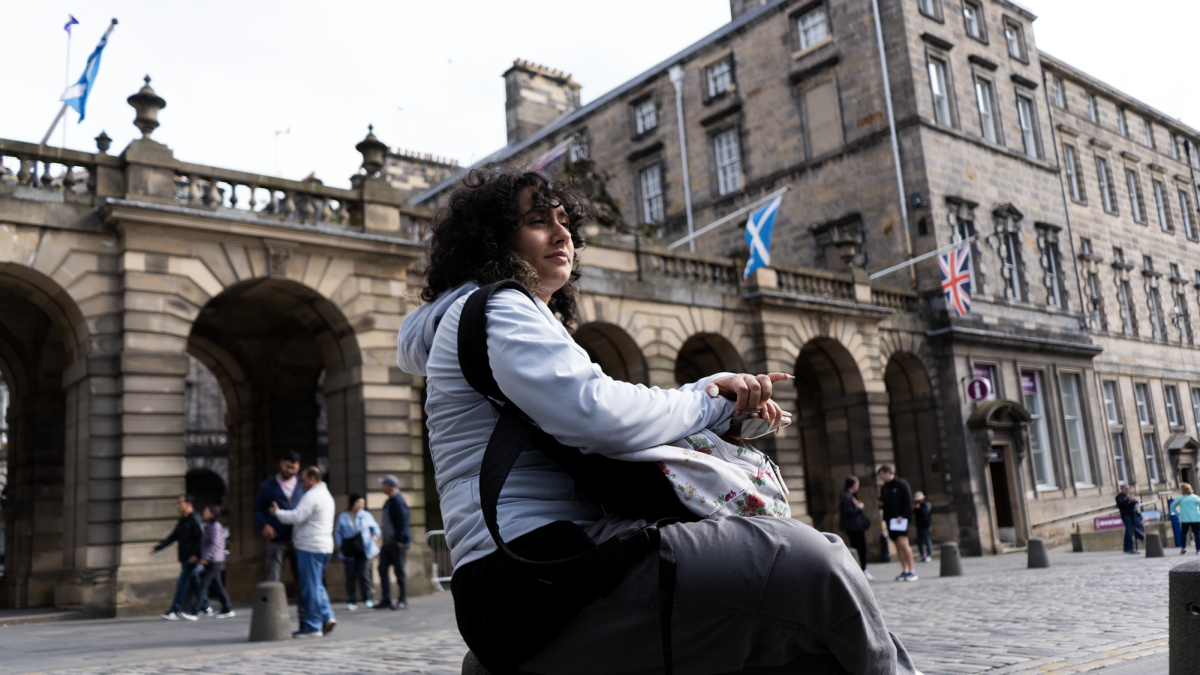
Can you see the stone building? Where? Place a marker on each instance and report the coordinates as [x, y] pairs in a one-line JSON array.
[[133, 287], [1081, 316]]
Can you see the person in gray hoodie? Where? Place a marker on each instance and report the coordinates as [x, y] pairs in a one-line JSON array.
[[796, 599]]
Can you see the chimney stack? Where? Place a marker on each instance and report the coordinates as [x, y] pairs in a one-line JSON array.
[[536, 96], [740, 7]]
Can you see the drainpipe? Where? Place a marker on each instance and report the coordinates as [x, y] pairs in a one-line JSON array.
[[1062, 185], [676, 75], [887, 98]]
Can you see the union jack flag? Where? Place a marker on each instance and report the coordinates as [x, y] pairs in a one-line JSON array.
[[956, 278]]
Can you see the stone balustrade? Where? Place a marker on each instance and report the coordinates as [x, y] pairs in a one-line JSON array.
[[898, 299], [691, 268], [816, 283], [29, 165]]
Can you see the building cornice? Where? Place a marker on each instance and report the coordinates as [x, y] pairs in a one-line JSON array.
[[980, 336]]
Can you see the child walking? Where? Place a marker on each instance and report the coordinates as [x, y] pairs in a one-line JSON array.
[[212, 555]]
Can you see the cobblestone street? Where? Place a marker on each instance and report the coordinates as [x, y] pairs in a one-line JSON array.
[[1086, 612]]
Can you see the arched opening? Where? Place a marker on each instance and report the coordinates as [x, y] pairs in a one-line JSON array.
[[41, 336], [285, 360], [614, 351], [704, 354], [913, 417], [206, 487], [833, 425]]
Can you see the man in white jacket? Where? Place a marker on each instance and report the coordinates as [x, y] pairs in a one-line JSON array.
[[312, 535]]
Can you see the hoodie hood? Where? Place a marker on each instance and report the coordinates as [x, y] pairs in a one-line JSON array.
[[417, 329]]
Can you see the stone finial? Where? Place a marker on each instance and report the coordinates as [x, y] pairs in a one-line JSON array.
[[372, 151], [103, 142], [147, 104]]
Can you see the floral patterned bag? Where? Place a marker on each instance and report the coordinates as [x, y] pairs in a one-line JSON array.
[[713, 477]]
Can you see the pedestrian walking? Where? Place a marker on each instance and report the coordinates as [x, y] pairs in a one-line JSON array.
[[212, 557], [357, 537], [896, 500], [187, 535], [1187, 507], [922, 517], [1127, 506], [854, 523], [285, 490], [312, 535], [396, 540]]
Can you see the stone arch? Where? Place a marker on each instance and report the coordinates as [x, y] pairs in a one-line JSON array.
[[270, 342], [43, 344], [614, 351], [833, 424], [704, 354], [913, 415]]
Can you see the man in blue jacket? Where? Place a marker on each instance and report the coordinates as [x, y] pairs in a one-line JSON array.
[[285, 490], [396, 539]]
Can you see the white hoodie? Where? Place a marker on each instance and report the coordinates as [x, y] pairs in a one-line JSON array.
[[547, 375]]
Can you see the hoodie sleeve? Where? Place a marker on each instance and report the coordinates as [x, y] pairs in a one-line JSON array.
[[548, 376]]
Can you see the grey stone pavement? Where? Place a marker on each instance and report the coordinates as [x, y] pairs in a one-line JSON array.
[[1090, 612]]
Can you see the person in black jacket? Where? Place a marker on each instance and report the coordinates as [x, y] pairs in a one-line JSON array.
[[393, 551], [923, 519], [285, 490], [187, 534], [854, 523], [1128, 505], [896, 500]]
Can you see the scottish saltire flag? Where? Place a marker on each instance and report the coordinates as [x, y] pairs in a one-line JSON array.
[[71, 22], [956, 278], [551, 155], [76, 95], [758, 235]]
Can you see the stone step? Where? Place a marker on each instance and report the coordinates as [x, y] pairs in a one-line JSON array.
[[21, 617]]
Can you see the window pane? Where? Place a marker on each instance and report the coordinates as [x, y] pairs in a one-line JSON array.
[[1185, 205], [1014, 41], [1025, 119], [1031, 389], [1118, 444], [1110, 402], [652, 204], [927, 7], [1072, 172], [1164, 218], [1139, 398], [646, 116], [1151, 456], [812, 28], [1091, 104], [1058, 93], [983, 94], [729, 170], [941, 101], [1172, 412], [1196, 405], [1131, 181], [1073, 420], [972, 19], [718, 78], [1148, 132], [1102, 175], [1121, 122]]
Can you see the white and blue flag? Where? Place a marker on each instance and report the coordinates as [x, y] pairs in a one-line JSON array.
[[76, 95], [758, 235]]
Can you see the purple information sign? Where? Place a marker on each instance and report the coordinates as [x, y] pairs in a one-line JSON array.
[[1029, 383], [1108, 523], [978, 389]]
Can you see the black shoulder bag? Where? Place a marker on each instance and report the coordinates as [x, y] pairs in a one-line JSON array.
[[553, 572]]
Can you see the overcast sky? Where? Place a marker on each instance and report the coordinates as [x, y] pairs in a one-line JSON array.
[[427, 74]]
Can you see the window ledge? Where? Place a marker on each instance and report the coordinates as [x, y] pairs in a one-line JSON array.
[[1048, 488], [1084, 486]]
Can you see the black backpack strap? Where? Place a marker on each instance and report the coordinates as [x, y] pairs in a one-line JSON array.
[[602, 565]]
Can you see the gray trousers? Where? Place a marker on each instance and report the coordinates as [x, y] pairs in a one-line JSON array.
[[762, 595], [277, 553]]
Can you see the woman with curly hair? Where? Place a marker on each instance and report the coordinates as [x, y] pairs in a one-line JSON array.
[[770, 593]]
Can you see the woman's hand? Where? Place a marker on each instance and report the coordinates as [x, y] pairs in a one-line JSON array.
[[750, 391]]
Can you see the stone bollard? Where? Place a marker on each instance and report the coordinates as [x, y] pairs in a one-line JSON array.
[[1037, 554], [951, 563], [1154, 547], [1184, 612], [269, 613]]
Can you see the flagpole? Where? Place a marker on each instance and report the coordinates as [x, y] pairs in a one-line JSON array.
[[67, 78], [921, 257], [753, 205], [59, 116]]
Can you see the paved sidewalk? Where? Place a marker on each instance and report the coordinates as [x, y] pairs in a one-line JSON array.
[[1099, 612]]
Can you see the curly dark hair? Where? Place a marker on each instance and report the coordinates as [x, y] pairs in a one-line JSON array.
[[470, 235]]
